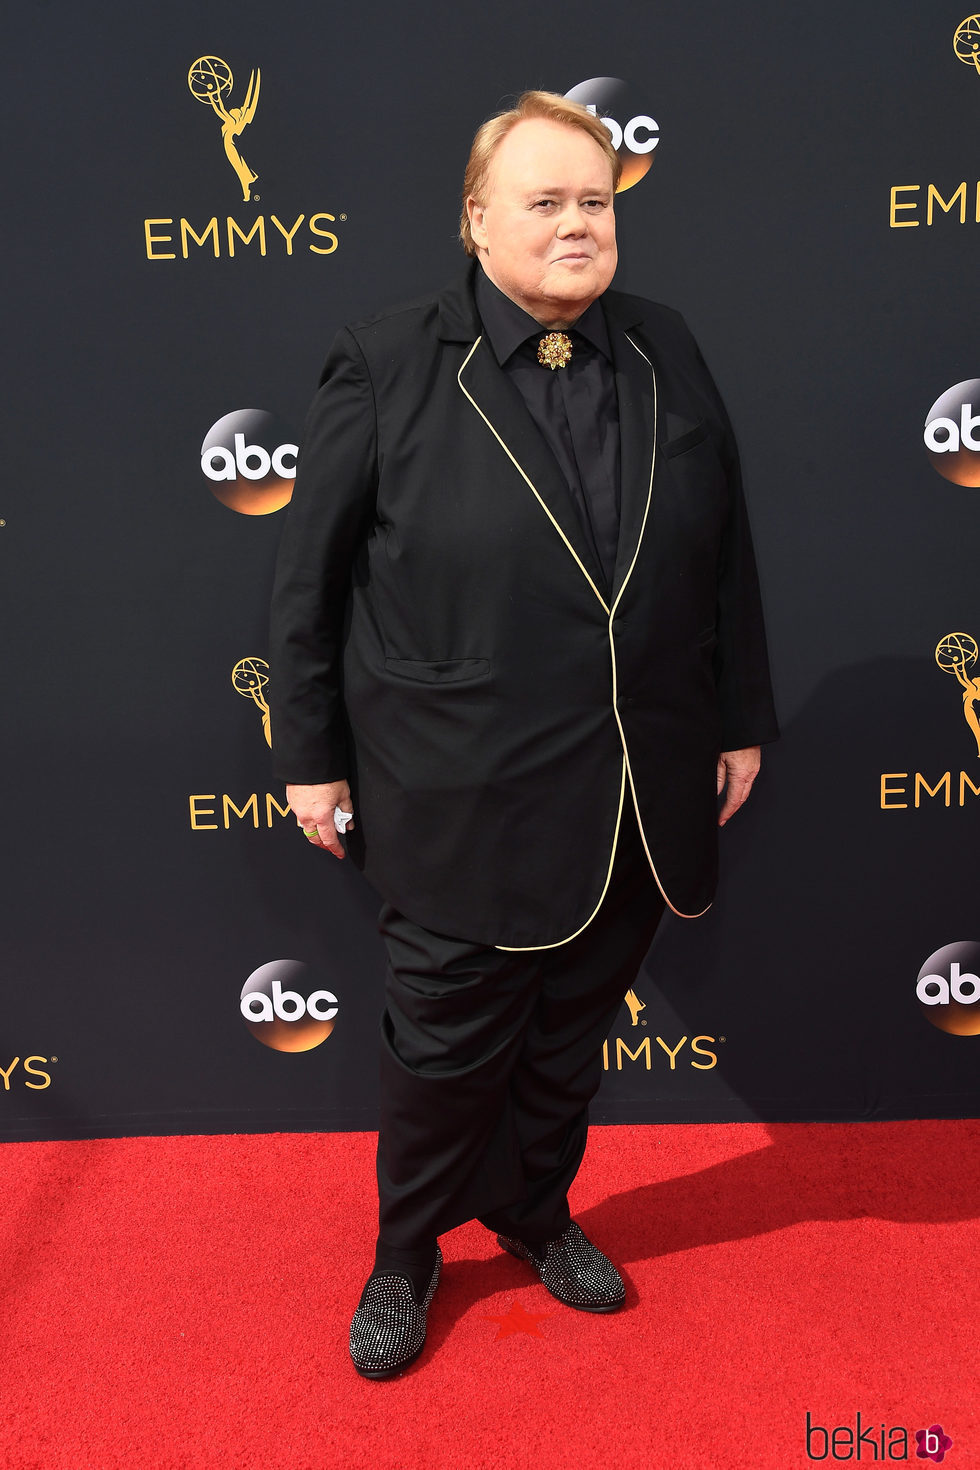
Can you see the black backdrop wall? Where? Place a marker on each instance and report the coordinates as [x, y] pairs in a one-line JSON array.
[[812, 205]]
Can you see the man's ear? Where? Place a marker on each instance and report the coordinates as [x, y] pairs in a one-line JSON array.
[[476, 215]]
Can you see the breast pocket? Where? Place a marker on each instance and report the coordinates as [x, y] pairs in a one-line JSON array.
[[685, 440]]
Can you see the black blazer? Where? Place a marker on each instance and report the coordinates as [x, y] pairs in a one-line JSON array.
[[442, 638]]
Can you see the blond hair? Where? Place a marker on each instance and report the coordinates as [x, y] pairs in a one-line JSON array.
[[552, 107]]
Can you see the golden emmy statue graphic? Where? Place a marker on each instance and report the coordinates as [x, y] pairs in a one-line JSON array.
[[956, 653], [210, 80], [250, 676], [966, 42], [636, 1005]]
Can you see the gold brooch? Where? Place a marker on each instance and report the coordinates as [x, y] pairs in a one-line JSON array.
[[554, 350]]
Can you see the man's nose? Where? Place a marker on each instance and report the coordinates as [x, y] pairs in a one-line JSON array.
[[572, 221]]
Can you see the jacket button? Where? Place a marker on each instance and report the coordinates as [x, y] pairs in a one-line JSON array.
[[618, 625]]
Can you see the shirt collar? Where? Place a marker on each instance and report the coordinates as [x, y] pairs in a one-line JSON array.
[[508, 325]]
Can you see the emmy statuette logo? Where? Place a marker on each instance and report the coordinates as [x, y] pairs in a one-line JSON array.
[[912, 205], [633, 132], [285, 231], [635, 1006], [250, 677], [966, 41], [213, 811], [618, 1054], [640, 1052], [210, 81], [956, 653]]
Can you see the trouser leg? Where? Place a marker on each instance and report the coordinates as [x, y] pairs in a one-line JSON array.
[[559, 1069], [489, 1060], [451, 1034]]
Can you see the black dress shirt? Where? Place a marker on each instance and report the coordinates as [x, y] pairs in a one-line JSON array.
[[575, 407]]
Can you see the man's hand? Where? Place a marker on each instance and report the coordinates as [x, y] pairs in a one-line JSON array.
[[737, 769], [313, 807]]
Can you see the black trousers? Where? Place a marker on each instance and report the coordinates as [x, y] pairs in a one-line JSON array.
[[489, 1060]]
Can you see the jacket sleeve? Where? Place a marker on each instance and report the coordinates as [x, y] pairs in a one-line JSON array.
[[331, 512], [741, 660]]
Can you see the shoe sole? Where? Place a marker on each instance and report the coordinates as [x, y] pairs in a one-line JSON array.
[[604, 1308]]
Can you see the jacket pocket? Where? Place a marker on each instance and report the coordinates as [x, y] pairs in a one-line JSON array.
[[684, 442], [440, 671]]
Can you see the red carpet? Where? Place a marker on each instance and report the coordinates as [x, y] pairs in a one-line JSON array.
[[183, 1302]]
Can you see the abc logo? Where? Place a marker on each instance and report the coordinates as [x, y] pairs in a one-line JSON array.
[[634, 134], [952, 434], [948, 988], [249, 461], [282, 1011]]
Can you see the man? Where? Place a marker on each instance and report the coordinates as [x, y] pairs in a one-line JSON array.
[[516, 630]]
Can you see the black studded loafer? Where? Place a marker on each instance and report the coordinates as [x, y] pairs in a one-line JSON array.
[[388, 1330], [574, 1271]]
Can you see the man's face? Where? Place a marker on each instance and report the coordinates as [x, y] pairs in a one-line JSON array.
[[546, 233]]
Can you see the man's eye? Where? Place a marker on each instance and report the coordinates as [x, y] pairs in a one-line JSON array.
[[543, 203]]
